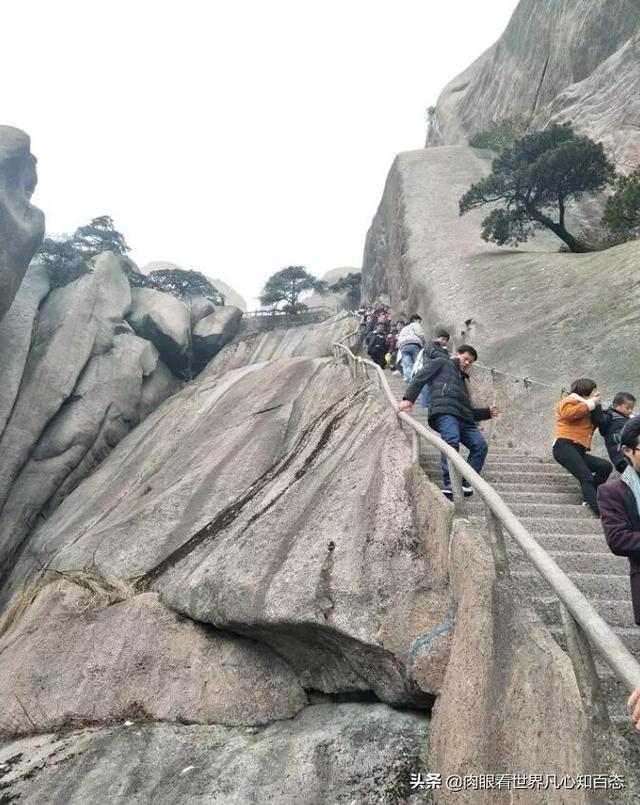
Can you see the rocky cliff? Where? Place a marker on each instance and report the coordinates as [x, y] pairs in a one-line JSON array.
[[21, 224], [531, 312], [557, 60], [239, 587]]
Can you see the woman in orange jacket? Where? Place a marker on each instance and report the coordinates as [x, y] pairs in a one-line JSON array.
[[577, 418]]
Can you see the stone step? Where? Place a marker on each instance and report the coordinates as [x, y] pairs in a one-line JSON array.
[[572, 543], [630, 638], [507, 487], [549, 525], [592, 585], [431, 457], [547, 496], [595, 562], [508, 462], [526, 477], [522, 509], [615, 612], [565, 525]]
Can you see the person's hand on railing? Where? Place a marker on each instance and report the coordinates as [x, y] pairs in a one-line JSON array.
[[634, 707], [405, 405], [495, 411]]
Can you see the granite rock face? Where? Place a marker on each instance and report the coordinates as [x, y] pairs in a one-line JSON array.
[[187, 332], [212, 332], [305, 546], [504, 671], [557, 60], [330, 753], [76, 380], [21, 224], [250, 347], [165, 321], [69, 662]]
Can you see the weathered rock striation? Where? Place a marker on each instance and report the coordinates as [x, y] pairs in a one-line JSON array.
[[557, 60], [298, 577], [77, 379], [288, 548], [21, 224], [255, 346]]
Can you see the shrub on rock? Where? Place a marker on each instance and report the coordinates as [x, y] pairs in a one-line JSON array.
[[532, 181], [622, 211]]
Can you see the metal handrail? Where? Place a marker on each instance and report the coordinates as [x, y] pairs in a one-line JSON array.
[[267, 312], [596, 629]]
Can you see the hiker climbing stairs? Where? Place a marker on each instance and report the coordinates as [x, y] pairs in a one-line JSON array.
[[547, 501]]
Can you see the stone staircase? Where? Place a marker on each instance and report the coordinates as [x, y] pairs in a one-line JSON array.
[[546, 499]]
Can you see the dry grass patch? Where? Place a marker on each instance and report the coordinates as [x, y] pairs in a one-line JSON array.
[[105, 589]]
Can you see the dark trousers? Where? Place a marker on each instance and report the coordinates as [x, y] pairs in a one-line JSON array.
[[378, 357], [588, 470], [454, 431]]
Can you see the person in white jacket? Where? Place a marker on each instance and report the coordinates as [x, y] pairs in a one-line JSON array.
[[410, 342]]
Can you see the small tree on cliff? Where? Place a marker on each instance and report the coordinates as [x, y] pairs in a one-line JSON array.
[[288, 286], [350, 288], [622, 211], [533, 179], [66, 257], [182, 282]]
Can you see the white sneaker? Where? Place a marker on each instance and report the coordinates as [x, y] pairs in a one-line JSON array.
[[396, 373], [467, 490]]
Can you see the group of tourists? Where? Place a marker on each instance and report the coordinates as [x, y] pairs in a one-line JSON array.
[[439, 381]]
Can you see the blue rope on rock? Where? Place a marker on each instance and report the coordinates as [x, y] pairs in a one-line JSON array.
[[423, 642]]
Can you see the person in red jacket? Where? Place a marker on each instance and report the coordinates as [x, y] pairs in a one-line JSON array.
[[619, 503], [577, 417]]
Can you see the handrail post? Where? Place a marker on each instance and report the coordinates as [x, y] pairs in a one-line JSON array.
[[415, 447], [496, 541], [456, 485], [584, 668]]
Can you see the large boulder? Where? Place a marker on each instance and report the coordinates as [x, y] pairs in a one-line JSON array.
[[557, 60], [165, 321], [307, 545], [231, 296], [250, 347], [21, 224], [77, 379], [212, 332], [103, 408], [68, 662], [199, 307], [345, 753], [74, 323]]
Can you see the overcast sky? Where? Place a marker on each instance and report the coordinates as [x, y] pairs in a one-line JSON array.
[[234, 138]]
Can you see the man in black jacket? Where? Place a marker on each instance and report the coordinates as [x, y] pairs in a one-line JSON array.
[[451, 411], [377, 345], [610, 424]]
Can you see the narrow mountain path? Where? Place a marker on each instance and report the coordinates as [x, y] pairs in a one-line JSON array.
[[547, 501]]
